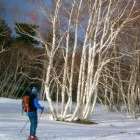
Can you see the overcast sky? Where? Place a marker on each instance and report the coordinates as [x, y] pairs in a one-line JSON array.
[[22, 11], [28, 11]]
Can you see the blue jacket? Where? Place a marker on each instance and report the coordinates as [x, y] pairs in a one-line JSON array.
[[37, 104]]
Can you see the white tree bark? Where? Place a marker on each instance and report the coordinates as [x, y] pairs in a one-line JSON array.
[[103, 24]]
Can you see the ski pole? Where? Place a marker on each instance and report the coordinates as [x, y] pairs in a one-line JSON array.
[[41, 115], [21, 130]]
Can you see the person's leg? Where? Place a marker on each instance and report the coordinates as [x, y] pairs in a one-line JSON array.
[[30, 115], [33, 120]]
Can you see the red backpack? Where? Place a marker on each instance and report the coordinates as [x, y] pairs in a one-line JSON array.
[[26, 103]]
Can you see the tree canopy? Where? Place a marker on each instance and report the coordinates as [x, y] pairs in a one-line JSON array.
[[26, 32], [5, 34]]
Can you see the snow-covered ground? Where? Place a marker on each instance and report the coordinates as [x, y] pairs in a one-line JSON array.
[[111, 126]]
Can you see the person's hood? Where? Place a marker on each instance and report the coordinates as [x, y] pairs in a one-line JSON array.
[[34, 91]]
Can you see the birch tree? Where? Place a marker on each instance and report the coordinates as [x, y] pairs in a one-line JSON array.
[[99, 30]]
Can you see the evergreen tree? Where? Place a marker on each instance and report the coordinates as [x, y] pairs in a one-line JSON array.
[[5, 34], [26, 33]]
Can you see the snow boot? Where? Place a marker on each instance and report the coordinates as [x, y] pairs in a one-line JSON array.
[[32, 138]]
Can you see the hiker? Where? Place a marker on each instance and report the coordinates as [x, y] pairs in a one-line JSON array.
[[30, 106]]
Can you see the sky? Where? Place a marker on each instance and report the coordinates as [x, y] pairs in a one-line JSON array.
[[28, 11], [22, 11]]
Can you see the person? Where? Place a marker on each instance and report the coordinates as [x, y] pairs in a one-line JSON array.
[[30, 106]]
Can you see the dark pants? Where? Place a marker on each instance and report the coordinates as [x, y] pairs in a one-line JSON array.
[[33, 120]]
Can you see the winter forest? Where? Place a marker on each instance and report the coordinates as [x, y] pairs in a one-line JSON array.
[[80, 53]]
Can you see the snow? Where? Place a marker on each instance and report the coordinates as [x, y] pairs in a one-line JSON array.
[[111, 125]]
